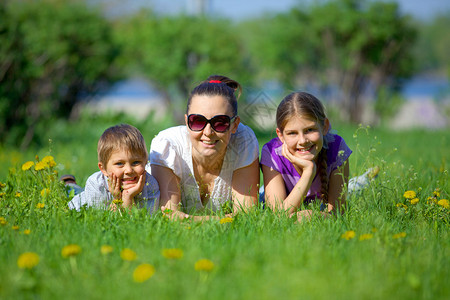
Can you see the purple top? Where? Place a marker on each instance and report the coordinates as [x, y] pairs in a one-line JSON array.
[[271, 156]]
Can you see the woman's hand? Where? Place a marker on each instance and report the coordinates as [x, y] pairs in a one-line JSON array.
[[305, 215], [174, 214], [171, 211], [299, 164]]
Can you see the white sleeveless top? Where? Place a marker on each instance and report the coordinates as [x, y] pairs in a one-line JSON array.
[[172, 149]]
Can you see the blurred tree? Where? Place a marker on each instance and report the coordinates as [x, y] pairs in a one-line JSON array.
[[433, 45], [51, 52], [348, 45], [177, 52]]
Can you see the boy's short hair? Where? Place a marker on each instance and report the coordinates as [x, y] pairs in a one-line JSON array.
[[120, 137]]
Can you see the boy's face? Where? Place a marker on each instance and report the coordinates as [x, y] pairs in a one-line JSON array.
[[124, 165]]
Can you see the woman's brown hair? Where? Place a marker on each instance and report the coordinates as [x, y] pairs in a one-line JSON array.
[[218, 85]]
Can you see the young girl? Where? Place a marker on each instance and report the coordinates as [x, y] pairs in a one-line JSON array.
[[305, 161]]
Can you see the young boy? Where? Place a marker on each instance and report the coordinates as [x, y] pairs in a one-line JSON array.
[[122, 179]]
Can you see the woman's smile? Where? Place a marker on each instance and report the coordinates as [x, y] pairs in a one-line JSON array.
[[208, 142]]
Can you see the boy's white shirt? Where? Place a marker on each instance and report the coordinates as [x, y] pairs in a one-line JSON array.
[[96, 194]]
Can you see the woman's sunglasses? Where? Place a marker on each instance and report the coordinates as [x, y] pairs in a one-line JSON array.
[[220, 123]]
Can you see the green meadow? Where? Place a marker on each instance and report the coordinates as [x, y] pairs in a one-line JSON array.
[[392, 242]]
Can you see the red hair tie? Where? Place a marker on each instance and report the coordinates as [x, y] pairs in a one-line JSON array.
[[215, 81]]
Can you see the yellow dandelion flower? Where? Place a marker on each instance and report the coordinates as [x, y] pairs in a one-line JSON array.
[[128, 254], [49, 161], [28, 260], [431, 200], [40, 205], [143, 272], [27, 231], [444, 203], [225, 220], [399, 235], [366, 236], [18, 194], [40, 166], [2, 185], [70, 250], [204, 265], [437, 193], [410, 195], [26, 166], [106, 249], [15, 227], [348, 235], [2, 194], [402, 205], [45, 192], [414, 201], [3, 221], [172, 253]]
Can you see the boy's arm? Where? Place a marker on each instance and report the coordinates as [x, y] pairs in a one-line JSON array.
[[95, 193], [150, 194]]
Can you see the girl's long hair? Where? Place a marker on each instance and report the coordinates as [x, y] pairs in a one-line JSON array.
[[306, 105]]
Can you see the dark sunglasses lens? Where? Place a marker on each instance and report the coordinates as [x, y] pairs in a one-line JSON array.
[[196, 122], [220, 123]]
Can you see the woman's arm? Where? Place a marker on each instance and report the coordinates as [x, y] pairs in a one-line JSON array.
[[336, 195], [170, 194], [169, 187], [244, 186], [275, 190]]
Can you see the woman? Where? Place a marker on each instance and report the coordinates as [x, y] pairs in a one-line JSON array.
[[210, 161]]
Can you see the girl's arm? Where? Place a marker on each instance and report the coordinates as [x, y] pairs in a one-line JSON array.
[[338, 179], [244, 186], [275, 191]]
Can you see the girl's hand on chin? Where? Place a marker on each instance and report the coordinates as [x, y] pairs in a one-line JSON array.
[[300, 165]]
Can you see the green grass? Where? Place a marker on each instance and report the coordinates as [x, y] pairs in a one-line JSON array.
[[260, 255]]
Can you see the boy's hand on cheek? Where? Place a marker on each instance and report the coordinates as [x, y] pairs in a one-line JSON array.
[[131, 191], [114, 185]]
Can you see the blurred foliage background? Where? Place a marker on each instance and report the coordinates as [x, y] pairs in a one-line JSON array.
[[55, 54]]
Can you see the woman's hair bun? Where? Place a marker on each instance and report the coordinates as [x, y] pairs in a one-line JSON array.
[[228, 81]]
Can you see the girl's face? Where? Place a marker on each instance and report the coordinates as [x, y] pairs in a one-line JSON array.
[[208, 142], [304, 137]]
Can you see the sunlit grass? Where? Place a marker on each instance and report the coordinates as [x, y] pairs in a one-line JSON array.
[[387, 245]]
